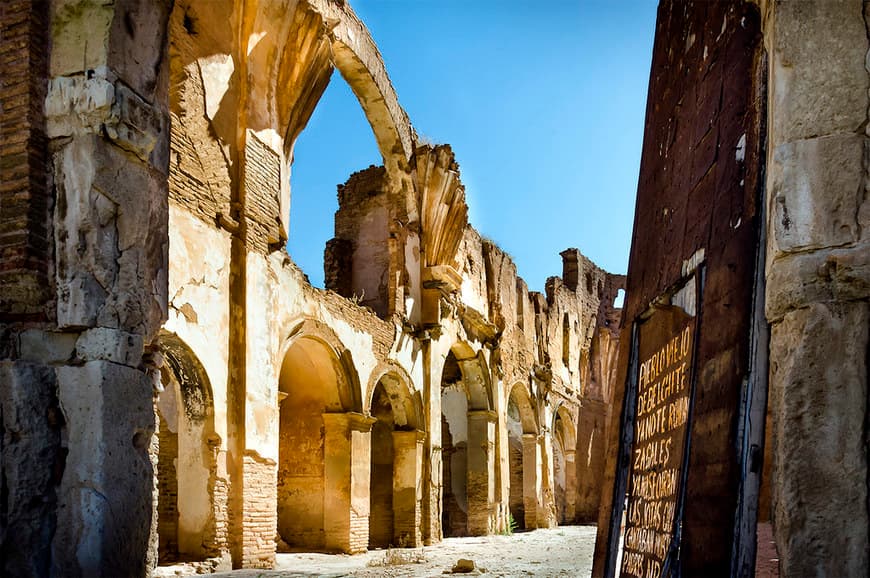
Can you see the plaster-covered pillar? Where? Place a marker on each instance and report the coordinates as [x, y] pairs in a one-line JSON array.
[[547, 509], [501, 458], [531, 480], [432, 468], [407, 491], [570, 486], [481, 463], [346, 471]]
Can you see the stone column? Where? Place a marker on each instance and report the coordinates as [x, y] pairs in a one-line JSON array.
[[407, 491], [817, 286], [531, 480], [346, 471], [106, 121], [481, 463]]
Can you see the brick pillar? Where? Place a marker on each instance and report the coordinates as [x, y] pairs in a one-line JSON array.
[[347, 467], [531, 480], [407, 492], [481, 465]]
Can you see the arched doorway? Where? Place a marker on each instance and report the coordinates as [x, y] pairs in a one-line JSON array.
[[320, 431], [523, 458], [467, 445], [187, 510], [564, 473], [396, 465]]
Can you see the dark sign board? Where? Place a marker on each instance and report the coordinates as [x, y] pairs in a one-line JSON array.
[[665, 345]]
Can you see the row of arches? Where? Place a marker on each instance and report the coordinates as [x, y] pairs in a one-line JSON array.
[[339, 468]]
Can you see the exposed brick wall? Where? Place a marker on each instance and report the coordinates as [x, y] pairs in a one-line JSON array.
[[359, 532], [220, 540], [167, 493], [260, 519], [517, 505], [193, 182], [262, 190], [25, 199], [362, 226]]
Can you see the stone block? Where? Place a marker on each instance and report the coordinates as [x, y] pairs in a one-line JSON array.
[[31, 464], [818, 399], [136, 44], [110, 234], [80, 35], [110, 345], [77, 104], [819, 80], [46, 346], [106, 496], [800, 279], [136, 125], [817, 186]]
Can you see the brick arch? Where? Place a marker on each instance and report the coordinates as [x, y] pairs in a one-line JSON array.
[[315, 335], [568, 424], [191, 504], [475, 375], [519, 393], [407, 405]]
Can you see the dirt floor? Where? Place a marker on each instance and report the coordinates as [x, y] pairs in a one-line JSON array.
[[564, 551]]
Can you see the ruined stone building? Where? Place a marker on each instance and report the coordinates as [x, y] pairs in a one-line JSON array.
[[740, 413], [173, 388]]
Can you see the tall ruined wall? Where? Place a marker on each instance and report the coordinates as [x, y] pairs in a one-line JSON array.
[[698, 202], [568, 366], [767, 131]]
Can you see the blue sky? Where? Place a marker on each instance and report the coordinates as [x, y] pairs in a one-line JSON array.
[[543, 104]]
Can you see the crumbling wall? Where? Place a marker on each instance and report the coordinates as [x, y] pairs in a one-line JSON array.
[[357, 260]]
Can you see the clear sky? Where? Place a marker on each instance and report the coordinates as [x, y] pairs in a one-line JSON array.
[[542, 102]]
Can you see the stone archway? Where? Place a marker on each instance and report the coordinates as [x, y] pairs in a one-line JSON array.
[[396, 465], [189, 501], [323, 465], [467, 441], [564, 473], [523, 458]]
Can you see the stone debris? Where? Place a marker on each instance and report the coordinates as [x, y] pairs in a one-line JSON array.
[[464, 566]]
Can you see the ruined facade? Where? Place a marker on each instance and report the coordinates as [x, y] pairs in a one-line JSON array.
[[751, 233], [172, 386]]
